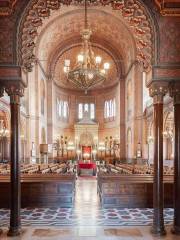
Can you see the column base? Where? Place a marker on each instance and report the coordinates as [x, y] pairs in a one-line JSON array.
[[14, 232], [175, 230], [158, 231]]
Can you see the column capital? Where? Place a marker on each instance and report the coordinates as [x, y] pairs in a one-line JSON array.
[[174, 90], [15, 90], [158, 91]]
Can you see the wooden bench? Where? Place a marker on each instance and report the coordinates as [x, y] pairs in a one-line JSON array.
[[41, 190], [131, 191]]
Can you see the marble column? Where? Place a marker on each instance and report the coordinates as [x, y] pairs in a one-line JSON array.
[[175, 93], [1, 95], [157, 92], [15, 92]]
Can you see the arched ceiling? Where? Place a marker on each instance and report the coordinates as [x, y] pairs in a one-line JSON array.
[[122, 36], [111, 39], [68, 24]]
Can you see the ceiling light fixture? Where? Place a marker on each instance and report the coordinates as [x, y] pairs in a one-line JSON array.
[[88, 70]]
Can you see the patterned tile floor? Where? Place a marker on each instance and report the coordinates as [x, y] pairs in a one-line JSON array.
[[86, 212], [72, 217]]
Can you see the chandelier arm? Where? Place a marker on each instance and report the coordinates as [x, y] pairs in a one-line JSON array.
[[95, 82], [77, 85]]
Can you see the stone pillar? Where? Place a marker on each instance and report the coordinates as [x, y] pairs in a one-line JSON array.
[[122, 121], [175, 93], [157, 91], [15, 92]]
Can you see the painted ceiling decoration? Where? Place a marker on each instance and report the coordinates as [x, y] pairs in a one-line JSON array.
[[131, 11], [6, 7], [169, 7]]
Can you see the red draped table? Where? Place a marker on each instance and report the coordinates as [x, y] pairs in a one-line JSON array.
[[88, 168]]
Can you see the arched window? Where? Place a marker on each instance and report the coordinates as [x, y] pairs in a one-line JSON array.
[[114, 107], [86, 107], [110, 109], [80, 112], [92, 111], [62, 109], [65, 109], [105, 109], [89, 108]]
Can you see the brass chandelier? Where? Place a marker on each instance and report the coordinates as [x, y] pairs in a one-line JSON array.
[[88, 70]]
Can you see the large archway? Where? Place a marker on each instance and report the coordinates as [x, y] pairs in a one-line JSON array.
[[133, 13]]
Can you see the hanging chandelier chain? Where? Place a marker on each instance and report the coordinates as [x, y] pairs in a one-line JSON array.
[[86, 18], [88, 70]]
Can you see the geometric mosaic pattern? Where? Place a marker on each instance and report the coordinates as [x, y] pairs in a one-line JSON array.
[[75, 217]]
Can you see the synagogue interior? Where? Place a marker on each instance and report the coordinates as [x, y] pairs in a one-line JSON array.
[[89, 119]]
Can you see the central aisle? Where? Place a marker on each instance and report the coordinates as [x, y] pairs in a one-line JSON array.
[[86, 201]]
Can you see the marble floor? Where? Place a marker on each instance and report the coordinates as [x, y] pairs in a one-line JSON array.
[[86, 220], [88, 233]]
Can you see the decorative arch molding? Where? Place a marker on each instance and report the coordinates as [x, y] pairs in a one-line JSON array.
[[133, 11]]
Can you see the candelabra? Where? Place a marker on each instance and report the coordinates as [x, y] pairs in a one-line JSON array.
[[101, 148], [70, 148], [112, 146], [60, 145]]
